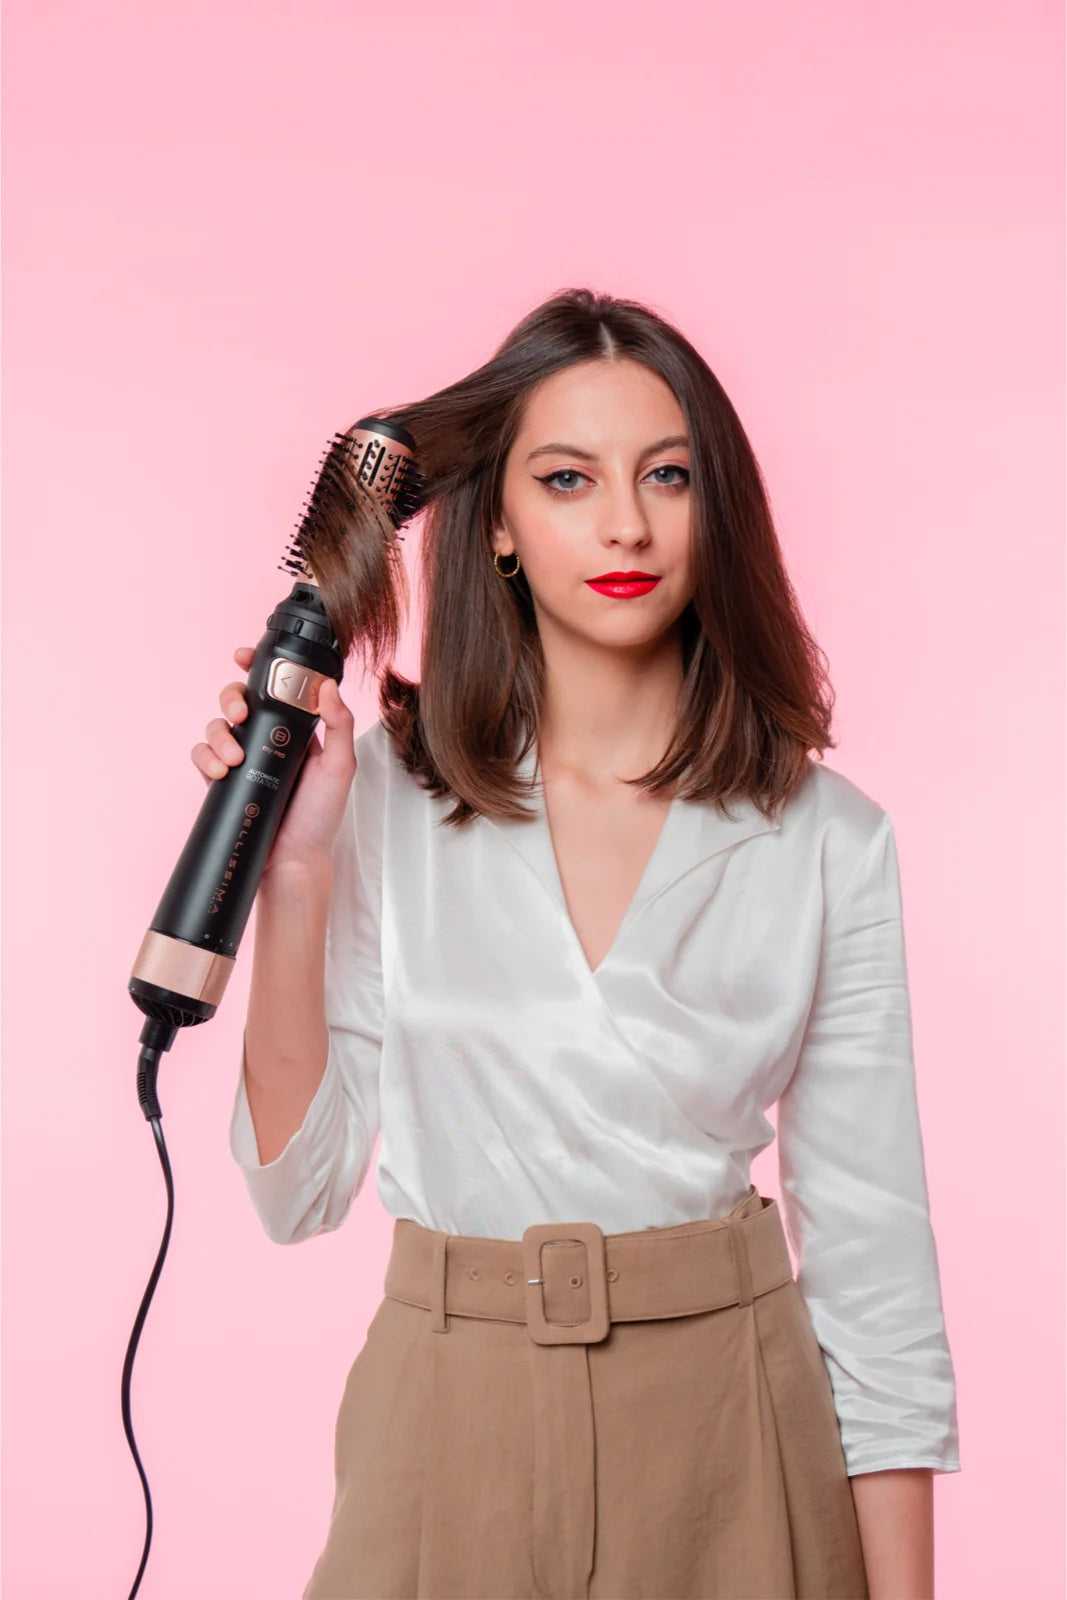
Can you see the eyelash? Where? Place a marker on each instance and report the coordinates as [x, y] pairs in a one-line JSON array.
[[566, 494]]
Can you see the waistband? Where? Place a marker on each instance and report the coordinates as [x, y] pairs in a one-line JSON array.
[[568, 1281]]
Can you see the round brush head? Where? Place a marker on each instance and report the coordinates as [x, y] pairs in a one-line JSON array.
[[374, 458]]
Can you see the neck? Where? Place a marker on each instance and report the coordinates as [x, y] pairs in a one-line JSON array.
[[607, 713]]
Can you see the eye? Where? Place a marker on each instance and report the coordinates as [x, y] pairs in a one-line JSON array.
[[562, 472], [572, 472], [671, 468]]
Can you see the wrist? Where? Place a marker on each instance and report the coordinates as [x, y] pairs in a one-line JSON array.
[[283, 877]]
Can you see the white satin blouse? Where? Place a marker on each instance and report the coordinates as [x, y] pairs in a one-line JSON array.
[[758, 962]]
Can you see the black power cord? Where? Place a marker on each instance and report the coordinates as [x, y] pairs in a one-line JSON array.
[[156, 1037]]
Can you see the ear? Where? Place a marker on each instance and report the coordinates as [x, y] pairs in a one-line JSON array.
[[501, 542]]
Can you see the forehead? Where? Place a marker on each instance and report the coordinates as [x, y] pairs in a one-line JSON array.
[[595, 404]]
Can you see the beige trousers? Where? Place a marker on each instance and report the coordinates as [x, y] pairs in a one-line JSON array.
[[614, 1416]]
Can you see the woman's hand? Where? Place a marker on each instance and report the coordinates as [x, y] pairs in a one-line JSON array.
[[314, 813]]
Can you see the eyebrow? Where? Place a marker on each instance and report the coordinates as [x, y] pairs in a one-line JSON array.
[[668, 443]]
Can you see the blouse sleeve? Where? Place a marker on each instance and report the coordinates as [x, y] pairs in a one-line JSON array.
[[310, 1186], [854, 1190]]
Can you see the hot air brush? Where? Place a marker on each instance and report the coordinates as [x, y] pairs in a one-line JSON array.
[[366, 489], [187, 954]]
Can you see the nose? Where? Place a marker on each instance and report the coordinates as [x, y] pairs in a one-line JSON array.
[[625, 518]]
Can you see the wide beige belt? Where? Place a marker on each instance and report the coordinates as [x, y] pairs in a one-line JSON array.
[[568, 1281]]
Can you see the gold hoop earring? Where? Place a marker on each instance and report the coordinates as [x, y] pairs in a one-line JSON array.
[[515, 568]]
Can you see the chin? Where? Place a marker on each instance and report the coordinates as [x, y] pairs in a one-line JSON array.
[[624, 634], [621, 625]]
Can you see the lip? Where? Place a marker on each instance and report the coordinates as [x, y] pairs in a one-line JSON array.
[[624, 577], [623, 585]]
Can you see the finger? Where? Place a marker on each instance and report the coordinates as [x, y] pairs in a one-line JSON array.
[[332, 708], [208, 763], [233, 702], [243, 655], [223, 742], [338, 724]]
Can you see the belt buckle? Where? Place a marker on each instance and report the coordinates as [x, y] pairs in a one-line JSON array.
[[542, 1331]]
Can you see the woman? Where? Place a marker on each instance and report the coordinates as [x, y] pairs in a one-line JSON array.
[[530, 947]]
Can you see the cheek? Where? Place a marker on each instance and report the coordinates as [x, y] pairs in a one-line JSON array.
[[674, 540], [551, 547], [673, 526]]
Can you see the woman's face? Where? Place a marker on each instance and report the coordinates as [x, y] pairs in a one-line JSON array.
[[597, 483]]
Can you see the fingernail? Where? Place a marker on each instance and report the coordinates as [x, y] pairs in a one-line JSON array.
[[219, 769]]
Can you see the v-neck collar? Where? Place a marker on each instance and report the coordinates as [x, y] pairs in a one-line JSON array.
[[692, 831]]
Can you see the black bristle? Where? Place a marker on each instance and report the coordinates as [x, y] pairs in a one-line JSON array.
[[340, 464]]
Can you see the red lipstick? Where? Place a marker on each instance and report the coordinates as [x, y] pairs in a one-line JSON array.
[[623, 585]]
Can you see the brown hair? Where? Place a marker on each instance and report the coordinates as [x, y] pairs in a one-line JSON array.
[[755, 696]]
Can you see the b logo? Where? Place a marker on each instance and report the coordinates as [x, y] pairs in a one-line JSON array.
[[279, 736]]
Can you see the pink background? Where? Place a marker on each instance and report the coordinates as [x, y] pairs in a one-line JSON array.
[[233, 227]]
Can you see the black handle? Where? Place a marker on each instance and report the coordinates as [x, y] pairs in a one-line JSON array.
[[209, 897], [207, 902]]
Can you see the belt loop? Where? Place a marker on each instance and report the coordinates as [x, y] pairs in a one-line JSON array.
[[439, 1282], [740, 1250]]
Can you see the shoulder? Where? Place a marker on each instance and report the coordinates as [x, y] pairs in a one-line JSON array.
[[373, 751], [826, 800], [367, 794], [361, 835], [382, 770], [382, 780], [836, 822]]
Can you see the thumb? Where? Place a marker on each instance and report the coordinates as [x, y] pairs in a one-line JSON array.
[[332, 708], [338, 724], [337, 749]]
